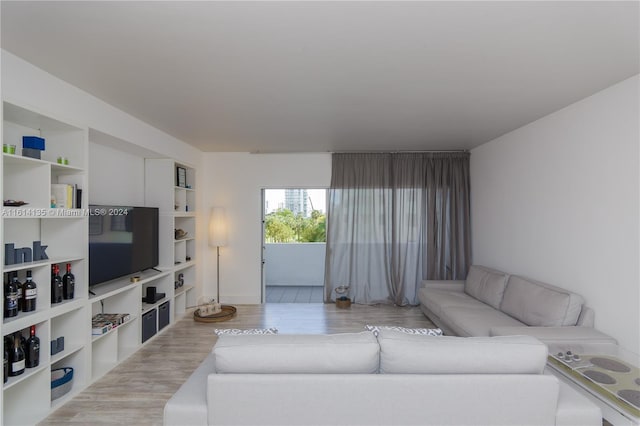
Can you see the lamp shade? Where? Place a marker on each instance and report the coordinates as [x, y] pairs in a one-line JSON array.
[[217, 227]]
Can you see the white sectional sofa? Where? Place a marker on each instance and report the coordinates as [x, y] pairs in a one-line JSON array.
[[394, 379], [493, 303]]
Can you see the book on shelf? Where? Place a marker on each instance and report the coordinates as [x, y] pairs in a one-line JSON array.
[[114, 319], [62, 195], [99, 328], [66, 193]]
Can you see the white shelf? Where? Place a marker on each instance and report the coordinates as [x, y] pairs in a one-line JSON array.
[[67, 352], [146, 307], [27, 161], [119, 285], [27, 398], [95, 337], [185, 288], [28, 372], [184, 265], [185, 214]]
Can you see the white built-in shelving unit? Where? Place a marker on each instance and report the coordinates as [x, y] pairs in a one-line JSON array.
[[26, 399], [177, 206]]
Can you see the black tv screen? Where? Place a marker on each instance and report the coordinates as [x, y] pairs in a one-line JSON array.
[[123, 240]]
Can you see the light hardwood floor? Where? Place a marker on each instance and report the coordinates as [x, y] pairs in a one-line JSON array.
[[294, 294], [135, 392]]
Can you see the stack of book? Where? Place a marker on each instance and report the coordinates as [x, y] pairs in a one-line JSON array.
[[103, 323], [66, 196]]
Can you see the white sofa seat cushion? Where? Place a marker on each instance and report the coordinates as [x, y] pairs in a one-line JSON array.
[[476, 320], [412, 354], [438, 300], [349, 353], [486, 285], [539, 304]]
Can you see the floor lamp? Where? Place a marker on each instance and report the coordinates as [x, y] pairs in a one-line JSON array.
[[217, 238]]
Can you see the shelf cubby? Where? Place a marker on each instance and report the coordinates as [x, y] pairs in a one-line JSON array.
[[77, 361], [29, 399]]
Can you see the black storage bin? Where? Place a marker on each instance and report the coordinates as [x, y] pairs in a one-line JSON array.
[[163, 315], [149, 325]]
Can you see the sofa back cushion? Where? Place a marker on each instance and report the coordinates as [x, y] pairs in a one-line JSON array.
[[486, 285], [412, 354], [539, 304], [282, 353]]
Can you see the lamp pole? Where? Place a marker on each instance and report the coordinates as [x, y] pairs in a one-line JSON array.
[[218, 271]]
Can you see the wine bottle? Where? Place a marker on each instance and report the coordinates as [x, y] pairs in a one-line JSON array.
[[33, 349], [10, 298], [56, 284], [68, 284], [19, 292], [16, 357], [30, 293]]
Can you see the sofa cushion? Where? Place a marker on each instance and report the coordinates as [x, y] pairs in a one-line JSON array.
[[476, 320], [437, 300], [282, 353], [413, 354], [539, 304], [486, 285]]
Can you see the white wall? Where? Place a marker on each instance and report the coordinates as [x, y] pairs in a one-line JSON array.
[[557, 200], [235, 181], [115, 177]]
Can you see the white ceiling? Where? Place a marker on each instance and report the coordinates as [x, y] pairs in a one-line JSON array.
[[330, 76]]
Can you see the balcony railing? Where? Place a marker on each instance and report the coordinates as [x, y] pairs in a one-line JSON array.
[[294, 264]]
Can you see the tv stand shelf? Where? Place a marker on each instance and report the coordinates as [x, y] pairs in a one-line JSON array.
[[146, 307], [119, 285]]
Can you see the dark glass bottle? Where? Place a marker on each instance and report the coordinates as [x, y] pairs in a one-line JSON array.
[[10, 298], [16, 357], [33, 349], [56, 284], [19, 286], [29, 294], [68, 284]]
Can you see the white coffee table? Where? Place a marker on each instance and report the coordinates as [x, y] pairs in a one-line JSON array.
[[605, 373]]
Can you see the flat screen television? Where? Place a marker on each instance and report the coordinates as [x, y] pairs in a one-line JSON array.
[[123, 240]]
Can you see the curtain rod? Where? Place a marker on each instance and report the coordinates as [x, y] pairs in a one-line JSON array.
[[360, 152], [410, 151]]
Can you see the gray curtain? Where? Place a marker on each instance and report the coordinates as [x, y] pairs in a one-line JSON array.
[[394, 219]]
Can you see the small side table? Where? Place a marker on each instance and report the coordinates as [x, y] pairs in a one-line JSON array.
[[615, 410]]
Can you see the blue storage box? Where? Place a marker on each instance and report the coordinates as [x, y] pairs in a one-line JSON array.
[[33, 142]]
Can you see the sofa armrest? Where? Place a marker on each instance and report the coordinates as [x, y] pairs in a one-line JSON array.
[[455, 285], [576, 410], [556, 335], [587, 317], [188, 406]]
